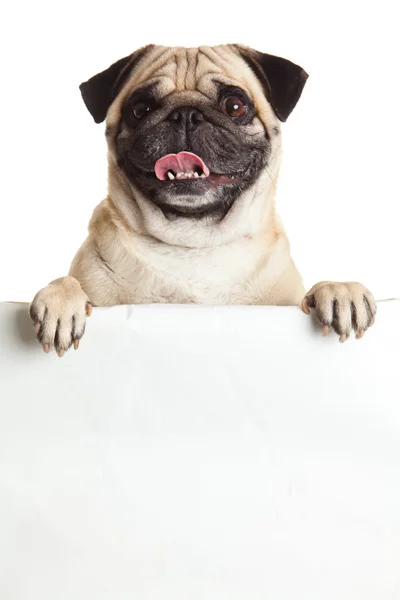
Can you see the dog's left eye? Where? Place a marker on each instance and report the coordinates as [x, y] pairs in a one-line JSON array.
[[141, 109], [234, 107]]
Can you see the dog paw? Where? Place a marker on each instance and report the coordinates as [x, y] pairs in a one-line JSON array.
[[58, 313], [342, 307]]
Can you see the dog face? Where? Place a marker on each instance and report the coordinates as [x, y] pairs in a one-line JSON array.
[[191, 154], [193, 130]]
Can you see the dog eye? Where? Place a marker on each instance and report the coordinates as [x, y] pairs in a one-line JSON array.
[[234, 107], [140, 109]]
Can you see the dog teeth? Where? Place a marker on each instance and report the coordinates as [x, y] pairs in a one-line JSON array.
[[183, 175]]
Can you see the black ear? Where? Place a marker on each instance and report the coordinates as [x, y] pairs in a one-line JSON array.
[[99, 91], [283, 81]]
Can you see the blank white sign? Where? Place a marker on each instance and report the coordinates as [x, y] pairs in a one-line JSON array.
[[198, 453]]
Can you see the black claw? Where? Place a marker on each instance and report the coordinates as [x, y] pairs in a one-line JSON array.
[[369, 310], [33, 315], [76, 335], [57, 343], [354, 322], [57, 336], [40, 335], [335, 318], [311, 301], [73, 324]]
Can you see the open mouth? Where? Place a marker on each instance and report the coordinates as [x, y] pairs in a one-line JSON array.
[[186, 166]]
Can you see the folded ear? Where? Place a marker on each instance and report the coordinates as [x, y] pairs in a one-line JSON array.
[[100, 91], [283, 81]]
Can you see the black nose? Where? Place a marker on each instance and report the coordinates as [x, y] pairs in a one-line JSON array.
[[186, 115]]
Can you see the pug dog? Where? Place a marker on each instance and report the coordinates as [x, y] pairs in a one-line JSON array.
[[194, 151]]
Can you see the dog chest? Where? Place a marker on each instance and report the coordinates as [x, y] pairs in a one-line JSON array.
[[217, 275]]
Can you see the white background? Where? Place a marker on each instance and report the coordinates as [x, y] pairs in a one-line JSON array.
[[338, 192]]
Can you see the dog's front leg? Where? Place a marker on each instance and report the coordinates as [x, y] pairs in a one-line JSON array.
[[58, 313], [342, 307]]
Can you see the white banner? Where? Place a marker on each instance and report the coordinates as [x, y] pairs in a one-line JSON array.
[[198, 453]]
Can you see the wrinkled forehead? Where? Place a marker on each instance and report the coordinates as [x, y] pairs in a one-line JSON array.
[[194, 70], [180, 69]]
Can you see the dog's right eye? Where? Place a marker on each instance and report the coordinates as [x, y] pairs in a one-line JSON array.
[[141, 109]]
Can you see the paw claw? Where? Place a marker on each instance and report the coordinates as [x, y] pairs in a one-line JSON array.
[[341, 306], [58, 313]]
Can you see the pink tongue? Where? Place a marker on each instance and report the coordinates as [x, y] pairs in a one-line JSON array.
[[184, 162]]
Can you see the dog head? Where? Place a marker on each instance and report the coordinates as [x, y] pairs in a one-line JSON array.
[[193, 130]]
